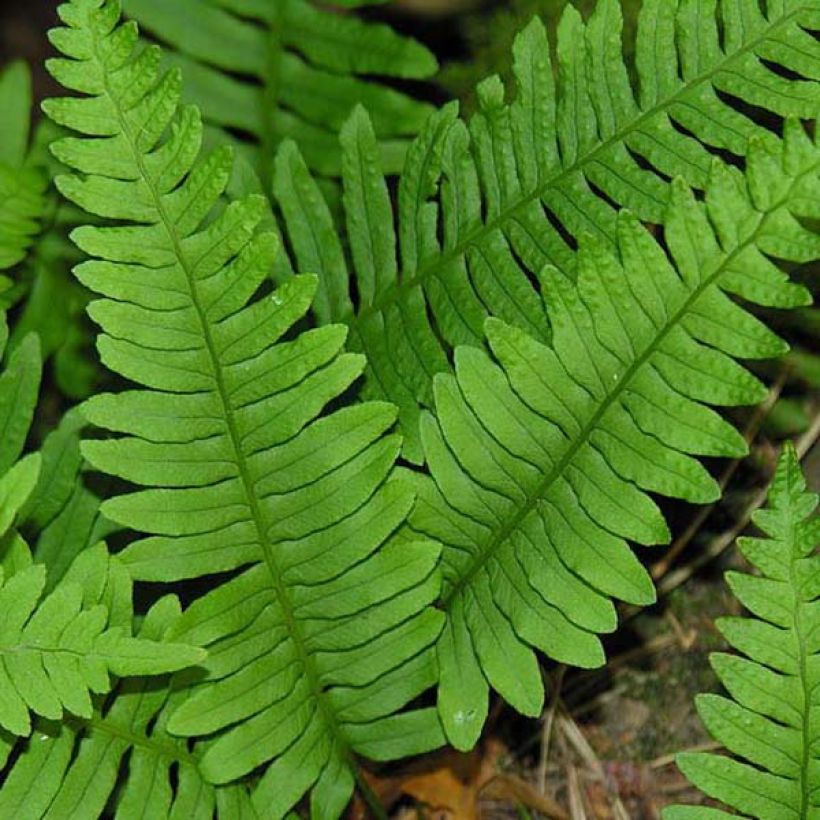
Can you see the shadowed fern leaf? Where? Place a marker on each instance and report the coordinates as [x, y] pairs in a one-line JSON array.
[[541, 455], [482, 207], [21, 185], [769, 720], [327, 631], [290, 69]]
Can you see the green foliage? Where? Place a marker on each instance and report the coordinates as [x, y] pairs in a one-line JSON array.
[[58, 642], [52, 302], [490, 32], [58, 649], [327, 631], [21, 185], [482, 208], [71, 769], [290, 69], [769, 719], [543, 358], [537, 454]]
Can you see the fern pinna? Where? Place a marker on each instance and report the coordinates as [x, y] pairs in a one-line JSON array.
[[483, 206], [327, 630], [769, 719], [290, 69]]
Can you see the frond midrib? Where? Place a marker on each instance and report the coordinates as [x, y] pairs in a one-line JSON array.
[[805, 684], [394, 292], [294, 631], [167, 750], [582, 438]]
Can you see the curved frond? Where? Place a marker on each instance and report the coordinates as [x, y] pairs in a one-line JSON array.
[[290, 69], [541, 455], [327, 630], [483, 206], [769, 718]]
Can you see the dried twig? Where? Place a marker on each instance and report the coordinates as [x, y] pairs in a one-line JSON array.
[[668, 760], [546, 728], [718, 545]]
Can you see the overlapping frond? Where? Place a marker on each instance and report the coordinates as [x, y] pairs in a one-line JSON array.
[[484, 206], [769, 721], [290, 69], [57, 646], [327, 630], [541, 455], [62, 514], [72, 768], [56, 650], [21, 185]]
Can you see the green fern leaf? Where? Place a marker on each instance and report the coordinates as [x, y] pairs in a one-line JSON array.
[[75, 764], [19, 388], [768, 720], [55, 651], [21, 186], [289, 69], [62, 511], [484, 206], [327, 631], [541, 455]]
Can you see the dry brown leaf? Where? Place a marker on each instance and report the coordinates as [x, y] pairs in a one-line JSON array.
[[450, 785]]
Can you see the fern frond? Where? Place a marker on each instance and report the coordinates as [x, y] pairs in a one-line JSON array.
[[769, 719], [71, 769], [55, 651], [21, 185], [290, 69], [327, 631], [541, 456], [484, 206]]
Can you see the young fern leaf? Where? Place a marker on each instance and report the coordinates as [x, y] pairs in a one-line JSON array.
[[71, 769], [54, 652], [769, 720], [541, 455], [484, 206], [290, 69], [327, 631], [21, 185]]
